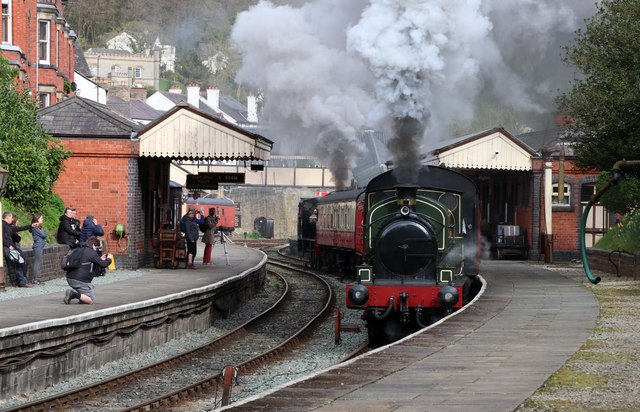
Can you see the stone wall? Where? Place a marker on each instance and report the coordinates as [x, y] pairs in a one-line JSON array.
[[277, 203], [50, 268]]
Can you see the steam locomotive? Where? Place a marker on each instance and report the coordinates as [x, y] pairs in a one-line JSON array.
[[413, 248]]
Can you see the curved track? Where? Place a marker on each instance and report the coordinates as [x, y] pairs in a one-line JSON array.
[[198, 372]]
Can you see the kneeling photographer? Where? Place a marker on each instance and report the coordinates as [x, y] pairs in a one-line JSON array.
[[90, 264]]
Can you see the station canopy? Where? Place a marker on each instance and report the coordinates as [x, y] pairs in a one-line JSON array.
[[187, 133]]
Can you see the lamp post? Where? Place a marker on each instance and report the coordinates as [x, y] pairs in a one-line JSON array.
[[4, 176]]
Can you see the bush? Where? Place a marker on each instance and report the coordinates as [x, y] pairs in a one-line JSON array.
[[624, 236]]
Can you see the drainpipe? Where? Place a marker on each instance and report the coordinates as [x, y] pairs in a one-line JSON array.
[[548, 210]]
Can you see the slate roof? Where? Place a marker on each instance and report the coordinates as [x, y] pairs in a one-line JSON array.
[[141, 110], [177, 98], [234, 109], [548, 141], [78, 117], [134, 109], [80, 63]]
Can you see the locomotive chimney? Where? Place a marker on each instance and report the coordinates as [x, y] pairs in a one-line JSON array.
[[406, 194]]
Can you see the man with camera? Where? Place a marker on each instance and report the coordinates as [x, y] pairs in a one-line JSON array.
[[80, 278]]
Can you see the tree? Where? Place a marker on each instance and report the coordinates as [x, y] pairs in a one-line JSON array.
[[33, 158], [604, 101]]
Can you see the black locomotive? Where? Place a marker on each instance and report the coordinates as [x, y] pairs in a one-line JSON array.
[[416, 245]]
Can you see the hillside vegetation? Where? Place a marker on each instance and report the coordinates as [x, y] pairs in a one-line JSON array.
[[199, 29]]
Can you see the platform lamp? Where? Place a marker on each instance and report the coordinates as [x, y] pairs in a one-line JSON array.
[[4, 176]]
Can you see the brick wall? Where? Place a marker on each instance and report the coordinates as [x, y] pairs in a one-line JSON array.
[[41, 78], [615, 263], [101, 179]]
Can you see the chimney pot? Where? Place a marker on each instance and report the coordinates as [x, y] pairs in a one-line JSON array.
[[193, 95], [213, 98]]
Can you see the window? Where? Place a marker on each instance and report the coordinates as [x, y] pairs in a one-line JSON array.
[[6, 21], [566, 198], [43, 41], [138, 72], [43, 99], [94, 70], [115, 69]]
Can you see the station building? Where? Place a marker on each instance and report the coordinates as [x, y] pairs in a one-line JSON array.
[[118, 171]]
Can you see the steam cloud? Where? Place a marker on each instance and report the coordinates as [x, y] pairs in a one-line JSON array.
[[330, 68]]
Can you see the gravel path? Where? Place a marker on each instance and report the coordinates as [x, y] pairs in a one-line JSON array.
[[604, 375]]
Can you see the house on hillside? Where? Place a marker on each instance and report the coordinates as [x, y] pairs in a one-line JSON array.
[[121, 68], [125, 41]]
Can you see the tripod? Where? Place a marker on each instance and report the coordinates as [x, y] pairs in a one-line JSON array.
[[224, 239]]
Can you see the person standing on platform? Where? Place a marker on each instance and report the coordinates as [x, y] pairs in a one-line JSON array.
[[9, 245], [192, 233], [90, 227], [39, 242], [209, 237], [80, 278], [69, 229]]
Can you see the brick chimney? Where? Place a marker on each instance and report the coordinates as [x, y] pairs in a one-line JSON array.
[[175, 90], [213, 97], [252, 108], [138, 93], [193, 95]]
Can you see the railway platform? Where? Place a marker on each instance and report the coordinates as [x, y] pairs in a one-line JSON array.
[[43, 341], [489, 357]]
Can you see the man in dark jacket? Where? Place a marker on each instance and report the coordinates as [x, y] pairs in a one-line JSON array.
[[80, 279], [9, 245], [69, 229], [90, 227]]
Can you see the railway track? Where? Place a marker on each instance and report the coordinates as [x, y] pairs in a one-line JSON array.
[[198, 373]]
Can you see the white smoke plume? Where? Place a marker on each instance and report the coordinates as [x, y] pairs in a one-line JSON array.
[[329, 68]]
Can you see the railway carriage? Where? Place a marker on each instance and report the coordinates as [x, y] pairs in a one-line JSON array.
[[225, 210]]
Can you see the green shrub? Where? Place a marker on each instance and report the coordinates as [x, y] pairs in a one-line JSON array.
[[624, 236], [51, 212]]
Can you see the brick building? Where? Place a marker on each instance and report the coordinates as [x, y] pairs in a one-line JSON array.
[[119, 172], [38, 41], [529, 181]]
